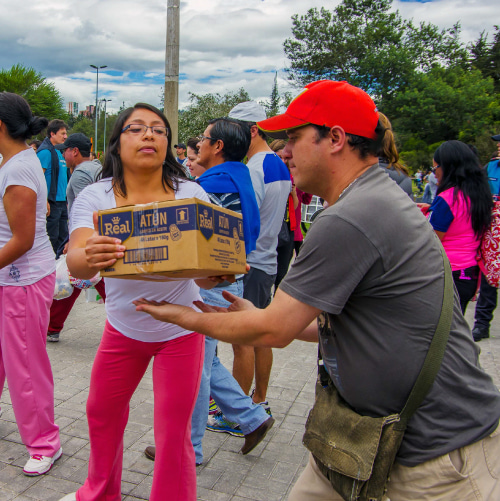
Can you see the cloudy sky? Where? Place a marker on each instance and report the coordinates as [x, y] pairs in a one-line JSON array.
[[224, 44]]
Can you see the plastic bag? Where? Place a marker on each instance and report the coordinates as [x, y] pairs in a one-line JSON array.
[[63, 287], [92, 296]]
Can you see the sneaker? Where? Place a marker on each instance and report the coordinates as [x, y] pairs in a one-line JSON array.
[[38, 464], [212, 407], [264, 405], [220, 424], [69, 497], [53, 337]]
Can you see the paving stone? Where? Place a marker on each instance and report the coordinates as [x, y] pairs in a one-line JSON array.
[[268, 473]]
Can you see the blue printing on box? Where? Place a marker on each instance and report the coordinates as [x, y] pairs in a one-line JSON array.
[[179, 218]]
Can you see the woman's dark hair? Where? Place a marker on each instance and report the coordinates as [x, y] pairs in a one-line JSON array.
[[113, 167], [462, 171], [15, 113], [192, 143]]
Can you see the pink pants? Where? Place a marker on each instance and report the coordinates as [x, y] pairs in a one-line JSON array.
[[24, 361], [118, 368]]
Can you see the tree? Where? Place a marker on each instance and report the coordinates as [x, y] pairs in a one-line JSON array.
[[444, 104], [194, 120], [273, 107], [42, 96], [486, 56], [362, 42]]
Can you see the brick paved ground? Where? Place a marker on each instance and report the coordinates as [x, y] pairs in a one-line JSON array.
[[266, 474]]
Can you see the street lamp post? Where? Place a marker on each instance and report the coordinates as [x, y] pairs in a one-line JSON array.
[[105, 101], [97, 68]]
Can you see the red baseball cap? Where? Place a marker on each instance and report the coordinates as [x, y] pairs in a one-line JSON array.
[[327, 103]]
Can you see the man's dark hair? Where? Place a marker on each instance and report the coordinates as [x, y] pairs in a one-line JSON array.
[[55, 126], [235, 135], [363, 145]]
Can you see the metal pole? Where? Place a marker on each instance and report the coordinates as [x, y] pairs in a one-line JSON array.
[[105, 114], [96, 112], [172, 68]]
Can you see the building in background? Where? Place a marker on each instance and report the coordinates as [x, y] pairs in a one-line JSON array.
[[73, 108]]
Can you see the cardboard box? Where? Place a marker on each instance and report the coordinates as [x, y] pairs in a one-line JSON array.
[[186, 238]]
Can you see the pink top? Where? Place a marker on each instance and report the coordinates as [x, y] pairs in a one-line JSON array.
[[453, 218]]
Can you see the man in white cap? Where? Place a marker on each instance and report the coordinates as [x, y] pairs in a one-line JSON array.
[[272, 184]]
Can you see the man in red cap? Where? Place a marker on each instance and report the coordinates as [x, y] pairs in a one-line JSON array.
[[368, 286]]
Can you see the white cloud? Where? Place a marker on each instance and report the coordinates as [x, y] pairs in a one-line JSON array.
[[224, 44]]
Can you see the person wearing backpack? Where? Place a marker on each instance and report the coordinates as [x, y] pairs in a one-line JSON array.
[[487, 300]]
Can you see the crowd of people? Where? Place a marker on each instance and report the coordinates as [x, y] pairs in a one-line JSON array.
[[369, 275]]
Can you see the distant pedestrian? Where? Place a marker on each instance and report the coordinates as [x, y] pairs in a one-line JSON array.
[[27, 280], [57, 176], [461, 212]]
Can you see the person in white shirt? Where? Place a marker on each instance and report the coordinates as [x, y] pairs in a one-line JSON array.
[[27, 280]]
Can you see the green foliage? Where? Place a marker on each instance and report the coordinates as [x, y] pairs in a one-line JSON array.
[[273, 107], [444, 104], [194, 120], [486, 56], [42, 96], [362, 42]]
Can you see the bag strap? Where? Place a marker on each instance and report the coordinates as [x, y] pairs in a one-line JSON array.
[[434, 356]]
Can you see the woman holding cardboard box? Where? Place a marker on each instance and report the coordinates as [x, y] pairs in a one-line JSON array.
[[139, 168]]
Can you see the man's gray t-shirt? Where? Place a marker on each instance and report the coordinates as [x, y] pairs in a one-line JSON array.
[[374, 264], [84, 174]]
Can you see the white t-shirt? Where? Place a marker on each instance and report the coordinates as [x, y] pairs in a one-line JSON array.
[[119, 292], [24, 169]]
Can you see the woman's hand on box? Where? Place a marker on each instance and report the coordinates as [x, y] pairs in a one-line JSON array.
[[102, 252]]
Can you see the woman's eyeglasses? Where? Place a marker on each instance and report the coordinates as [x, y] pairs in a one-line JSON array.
[[141, 129]]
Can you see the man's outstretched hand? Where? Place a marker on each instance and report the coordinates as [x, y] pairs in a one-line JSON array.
[[181, 315], [162, 310]]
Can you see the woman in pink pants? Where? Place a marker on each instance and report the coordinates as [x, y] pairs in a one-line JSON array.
[[27, 279], [139, 168]]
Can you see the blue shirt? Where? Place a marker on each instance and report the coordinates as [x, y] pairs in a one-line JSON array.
[[62, 180]]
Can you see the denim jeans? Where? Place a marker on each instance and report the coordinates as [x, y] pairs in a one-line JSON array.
[[217, 381]]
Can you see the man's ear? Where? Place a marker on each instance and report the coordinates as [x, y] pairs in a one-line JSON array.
[[337, 138], [254, 131]]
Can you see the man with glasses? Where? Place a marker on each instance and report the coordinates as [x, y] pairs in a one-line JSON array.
[[227, 183]]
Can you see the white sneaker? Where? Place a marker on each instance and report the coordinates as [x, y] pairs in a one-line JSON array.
[[69, 497], [38, 464]]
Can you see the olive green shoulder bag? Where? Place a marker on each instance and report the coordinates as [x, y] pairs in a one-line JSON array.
[[355, 452]]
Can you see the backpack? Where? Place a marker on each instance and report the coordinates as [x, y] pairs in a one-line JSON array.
[[489, 251]]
